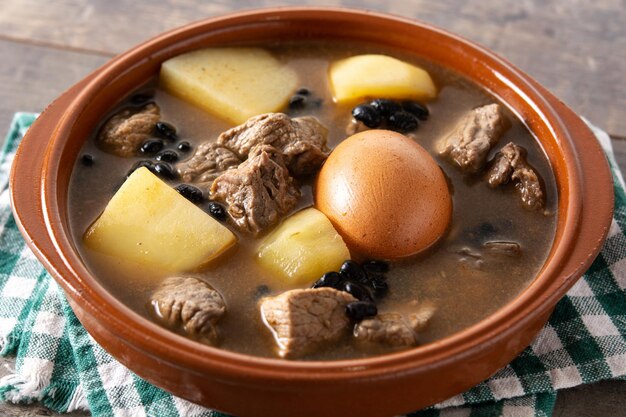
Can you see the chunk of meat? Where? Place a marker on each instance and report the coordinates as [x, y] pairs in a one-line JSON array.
[[529, 188], [304, 319], [209, 162], [301, 140], [510, 165], [386, 328], [124, 132], [394, 329], [469, 144], [258, 192], [502, 166], [420, 318], [190, 303]]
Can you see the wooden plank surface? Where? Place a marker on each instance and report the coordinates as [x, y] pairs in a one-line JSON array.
[[576, 48], [36, 75]]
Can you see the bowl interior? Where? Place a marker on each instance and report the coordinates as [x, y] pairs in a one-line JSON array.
[[137, 66]]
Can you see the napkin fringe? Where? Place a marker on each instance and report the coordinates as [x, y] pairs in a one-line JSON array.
[[9, 344], [65, 397], [62, 397], [19, 389]]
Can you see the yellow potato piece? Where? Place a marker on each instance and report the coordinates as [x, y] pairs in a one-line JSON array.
[[232, 83], [379, 76], [150, 223], [303, 248]]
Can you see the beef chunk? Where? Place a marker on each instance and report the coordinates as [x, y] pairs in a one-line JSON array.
[[258, 192], [387, 328], [302, 320], [529, 188], [251, 167], [190, 303], [469, 144], [301, 140], [510, 165], [208, 163], [394, 329], [502, 166], [123, 134]]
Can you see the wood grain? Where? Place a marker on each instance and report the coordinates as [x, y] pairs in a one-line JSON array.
[[576, 48], [604, 398], [27, 410], [36, 75]]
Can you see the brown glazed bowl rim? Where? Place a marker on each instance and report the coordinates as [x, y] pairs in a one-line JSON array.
[[584, 215]]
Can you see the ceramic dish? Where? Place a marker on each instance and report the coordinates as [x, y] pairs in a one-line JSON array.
[[246, 385]]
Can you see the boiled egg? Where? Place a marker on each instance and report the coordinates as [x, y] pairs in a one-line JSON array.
[[385, 195]]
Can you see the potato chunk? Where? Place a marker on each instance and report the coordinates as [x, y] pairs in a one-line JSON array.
[[303, 247], [373, 76], [232, 83], [148, 222]]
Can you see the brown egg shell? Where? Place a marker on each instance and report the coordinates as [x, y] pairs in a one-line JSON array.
[[385, 195]]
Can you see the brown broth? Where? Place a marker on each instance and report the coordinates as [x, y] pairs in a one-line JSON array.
[[462, 291]]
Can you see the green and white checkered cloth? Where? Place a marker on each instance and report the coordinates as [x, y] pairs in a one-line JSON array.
[[60, 365]]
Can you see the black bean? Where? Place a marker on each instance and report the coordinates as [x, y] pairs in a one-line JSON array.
[[367, 115], [143, 163], [487, 229], [385, 106], [358, 291], [261, 291], [184, 146], [402, 121], [87, 160], [378, 285], [191, 193], [330, 279], [141, 98], [360, 310], [482, 232], [151, 146], [167, 156], [164, 170], [416, 109], [217, 211], [376, 275], [352, 271], [364, 280], [165, 131], [297, 101], [376, 266]]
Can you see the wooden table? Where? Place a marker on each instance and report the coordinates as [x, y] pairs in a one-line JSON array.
[[576, 49]]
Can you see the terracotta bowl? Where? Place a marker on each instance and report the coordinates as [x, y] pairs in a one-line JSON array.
[[246, 385]]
